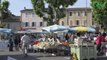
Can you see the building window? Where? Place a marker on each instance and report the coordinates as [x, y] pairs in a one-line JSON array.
[[33, 14], [77, 22], [71, 23], [26, 24], [78, 13], [62, 23], [26, 14], [85, 13], [33, 24], [41, 23], [70, 13], [85, 22]]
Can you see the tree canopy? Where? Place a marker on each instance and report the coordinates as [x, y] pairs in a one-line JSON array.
[[4, 12], [54, 11], [4, 9], [99, 9]]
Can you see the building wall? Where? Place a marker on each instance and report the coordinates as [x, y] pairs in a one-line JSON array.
[[84, 20], [29, 16], [69, 20], [13, 25]]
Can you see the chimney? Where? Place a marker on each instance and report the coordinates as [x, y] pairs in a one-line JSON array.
[[24, 8]]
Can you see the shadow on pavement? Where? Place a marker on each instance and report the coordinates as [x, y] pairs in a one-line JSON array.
[[102, 58], [46, 55], [18, 57]]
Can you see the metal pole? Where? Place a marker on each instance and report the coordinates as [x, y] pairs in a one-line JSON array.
[[86, 3], [0, 8], [86, 14], [0, 1], [0, 16]]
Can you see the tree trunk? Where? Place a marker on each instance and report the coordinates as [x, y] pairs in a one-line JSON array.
[[55, 15]]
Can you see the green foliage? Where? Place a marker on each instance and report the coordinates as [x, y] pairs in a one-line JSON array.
[[54, 11], [2, 25], [4, 9], [99, 8]]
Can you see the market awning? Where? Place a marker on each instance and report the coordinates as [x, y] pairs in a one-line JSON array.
[[5, 30]]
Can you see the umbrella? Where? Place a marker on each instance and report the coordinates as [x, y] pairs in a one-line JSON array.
[[47, 29], [82, 29], [90, 29], [58, 28], [54, 28], [5, 30]]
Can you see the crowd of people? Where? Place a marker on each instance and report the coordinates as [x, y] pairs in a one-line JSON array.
[[22, 43]]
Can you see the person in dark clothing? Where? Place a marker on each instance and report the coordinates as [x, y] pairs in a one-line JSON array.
[[17, 42], [67, 37], [11, 43]]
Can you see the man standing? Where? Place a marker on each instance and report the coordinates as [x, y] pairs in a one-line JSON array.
[[25, 41]]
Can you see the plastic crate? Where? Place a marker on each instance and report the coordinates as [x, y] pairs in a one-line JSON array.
[[84, 51], [92, 53]]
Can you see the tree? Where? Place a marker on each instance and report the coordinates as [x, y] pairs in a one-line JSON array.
[[55, 10], [3, 11], [99, 8]]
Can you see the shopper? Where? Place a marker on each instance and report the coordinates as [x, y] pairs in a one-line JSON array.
[[99, 40], [25, 40]]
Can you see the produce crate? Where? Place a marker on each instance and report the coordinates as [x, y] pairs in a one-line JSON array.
[[84, 52]]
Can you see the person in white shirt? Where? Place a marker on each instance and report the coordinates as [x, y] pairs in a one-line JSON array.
[[25, 41]]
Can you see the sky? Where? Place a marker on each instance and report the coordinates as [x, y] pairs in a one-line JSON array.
[[17, 5]]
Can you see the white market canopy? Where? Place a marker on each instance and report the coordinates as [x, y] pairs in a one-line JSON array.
[[54, 28]]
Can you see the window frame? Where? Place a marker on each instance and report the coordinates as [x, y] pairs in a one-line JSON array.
[[41, 24], [33, 24], [26, 24]]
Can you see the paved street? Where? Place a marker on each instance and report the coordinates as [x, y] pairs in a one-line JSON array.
[[4, 54]]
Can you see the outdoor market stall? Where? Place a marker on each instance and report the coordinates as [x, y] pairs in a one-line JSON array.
[[4, 43], [51, 44], [82, 49]]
